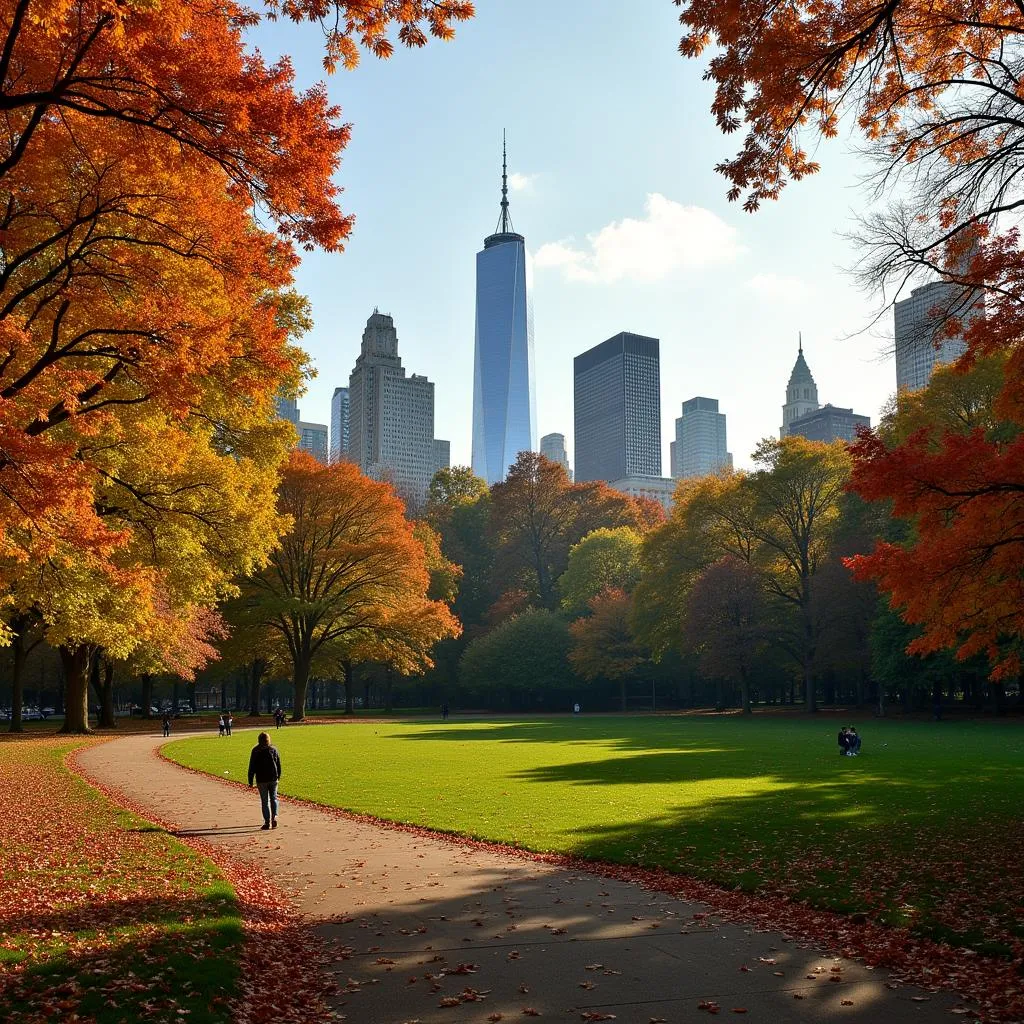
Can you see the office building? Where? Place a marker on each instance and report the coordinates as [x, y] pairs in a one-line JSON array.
[[313, 439], [391, 416], [829, 423], [700, 447], [801, 392], [918, 319], [657, 488], [617, 409], [504, 398], [552, 446], [339, 424], [288, 409], [442, 454]]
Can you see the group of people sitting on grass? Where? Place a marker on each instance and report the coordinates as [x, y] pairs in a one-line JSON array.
[[849, 742]]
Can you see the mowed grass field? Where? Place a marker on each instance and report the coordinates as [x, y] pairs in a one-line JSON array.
[[924, 829]]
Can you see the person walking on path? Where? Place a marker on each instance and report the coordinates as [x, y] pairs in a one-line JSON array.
[[228, 722], [220, 724], [265, 768], [167, 725]]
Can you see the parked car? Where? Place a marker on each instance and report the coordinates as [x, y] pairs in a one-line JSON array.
[[46, 712], [31, 714]]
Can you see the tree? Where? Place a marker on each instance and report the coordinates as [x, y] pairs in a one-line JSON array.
[[604, 645], [797, 493], [346, 574], [604, 558], [726, 622], [527, 655], [935, 87], [537, 516]]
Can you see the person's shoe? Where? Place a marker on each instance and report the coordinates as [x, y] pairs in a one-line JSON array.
[[273, 824], [265, 825]]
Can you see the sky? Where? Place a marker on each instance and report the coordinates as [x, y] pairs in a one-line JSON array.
[[612, 149]]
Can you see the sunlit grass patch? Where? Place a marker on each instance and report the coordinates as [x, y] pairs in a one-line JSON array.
[[923, 829]]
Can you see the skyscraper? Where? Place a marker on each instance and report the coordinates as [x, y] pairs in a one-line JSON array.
[[700, 447], [617, 409], [504, 398], [391, 416], [552, 447], [917, 320], [313, 439], [801, 393], [288, 409], [339, 424]]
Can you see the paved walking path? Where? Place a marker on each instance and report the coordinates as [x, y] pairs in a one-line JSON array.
[[417, 921]]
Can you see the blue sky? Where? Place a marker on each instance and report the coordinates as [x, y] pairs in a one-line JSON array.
[[612, 146]]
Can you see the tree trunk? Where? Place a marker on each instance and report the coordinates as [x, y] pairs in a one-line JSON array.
[[75, 661], [300, 681], [105, 691], [147, 694], [20, 656], [256, 673], [745, 694], [346, 668]]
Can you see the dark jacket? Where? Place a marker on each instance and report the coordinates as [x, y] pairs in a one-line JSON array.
[[264, 764]]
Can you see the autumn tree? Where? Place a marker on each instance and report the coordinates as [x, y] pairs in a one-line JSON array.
[[935, 87], [604, 645], [348, 574], [537, 516], [603, 558], [727, 622]]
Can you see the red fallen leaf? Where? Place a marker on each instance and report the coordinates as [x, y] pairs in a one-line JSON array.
[[592, 1015], [740, 1009], [462, 969], [449, 1001], [529, 1011], [383, 960], [587, 984], [708, 1006], [412, 980]]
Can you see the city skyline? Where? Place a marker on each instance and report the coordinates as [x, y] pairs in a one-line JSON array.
[[632, 235]]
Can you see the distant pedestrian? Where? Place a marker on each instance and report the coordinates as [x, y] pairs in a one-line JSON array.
[[278, 717], [228, 722], [265, 768], [220, 725], [444, 712], [167, 725]]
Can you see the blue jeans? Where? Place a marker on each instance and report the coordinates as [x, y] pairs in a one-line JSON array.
[[268, 799]]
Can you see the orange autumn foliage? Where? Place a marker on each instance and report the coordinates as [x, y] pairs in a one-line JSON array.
[[935, 86]]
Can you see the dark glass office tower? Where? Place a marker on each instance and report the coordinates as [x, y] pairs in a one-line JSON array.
[[617, 409]]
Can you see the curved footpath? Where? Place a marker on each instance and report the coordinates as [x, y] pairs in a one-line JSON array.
[[429, 931]]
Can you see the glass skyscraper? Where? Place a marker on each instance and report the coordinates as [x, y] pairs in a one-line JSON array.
[[504, 397], [617, 409]]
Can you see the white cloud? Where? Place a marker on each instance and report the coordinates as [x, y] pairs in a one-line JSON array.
[[778, 287], [668, 239], [521, 182]]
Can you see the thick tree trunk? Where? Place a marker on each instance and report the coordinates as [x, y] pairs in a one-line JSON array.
[[75, 661], [346, 668], [147, 694], [300, 680], [105, 689], [20, 656]]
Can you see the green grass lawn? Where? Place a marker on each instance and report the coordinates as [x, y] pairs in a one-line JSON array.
[[923, 829]]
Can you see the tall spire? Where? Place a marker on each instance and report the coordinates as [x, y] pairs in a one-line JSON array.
[[800, 335], [505, 221]]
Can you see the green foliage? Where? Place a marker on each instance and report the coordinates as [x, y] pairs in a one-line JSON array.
[[604, 558], [528, 652]]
